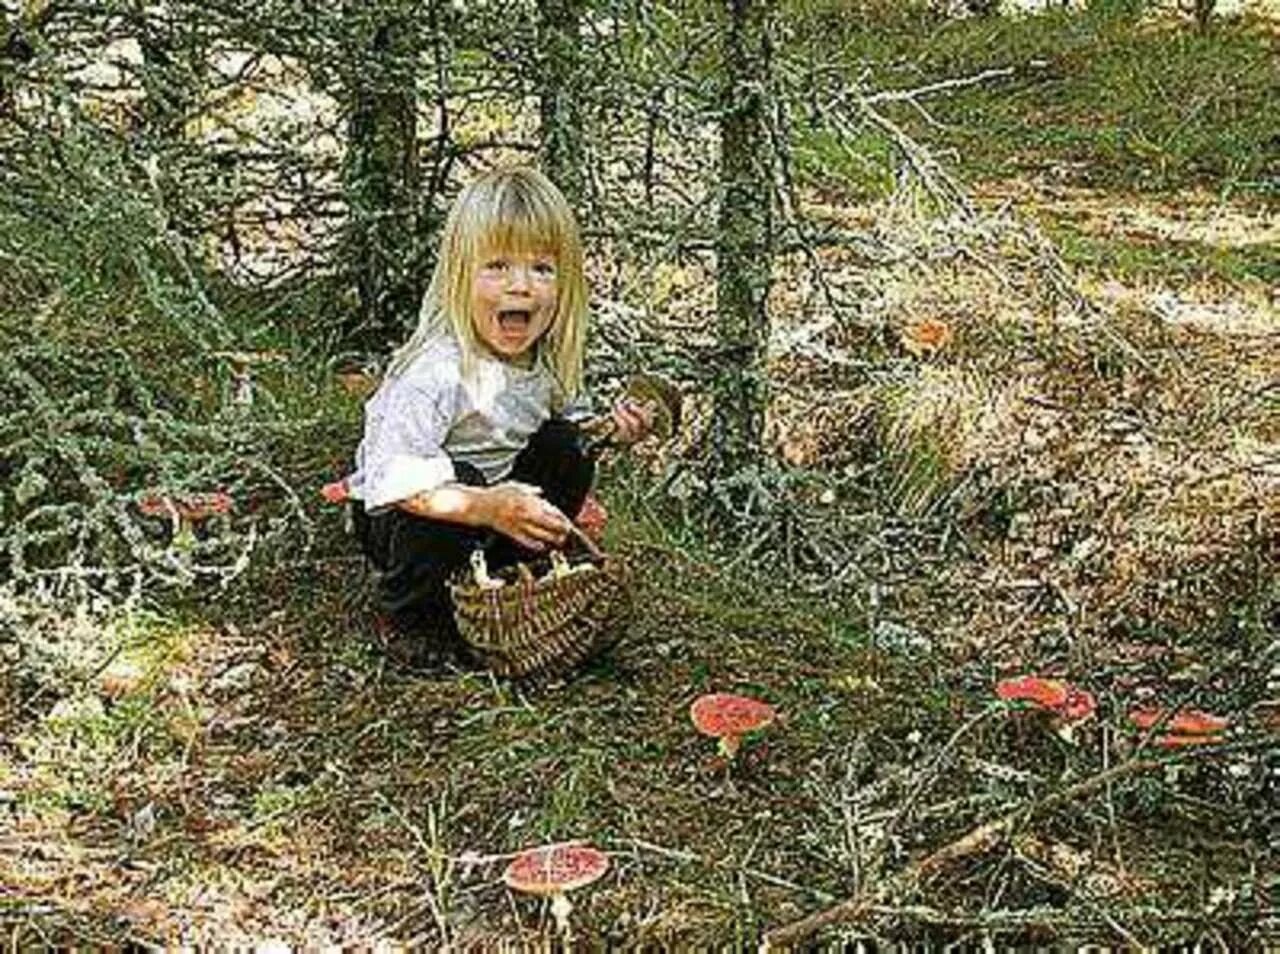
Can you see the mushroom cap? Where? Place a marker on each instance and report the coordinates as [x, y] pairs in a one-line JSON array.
[[1176, 741], [188, 507], [926, 337], [663, 396], [554, 869], [592, 518], [1063, 699], [1187, 721], [1047, 693], [723, 714], [337, 491]]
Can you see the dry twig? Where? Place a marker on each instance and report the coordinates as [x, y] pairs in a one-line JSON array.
[[980, 839]]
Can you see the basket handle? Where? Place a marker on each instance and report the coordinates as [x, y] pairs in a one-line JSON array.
[[596, 553]]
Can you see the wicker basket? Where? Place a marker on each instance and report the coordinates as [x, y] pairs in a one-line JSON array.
[[543, 619]]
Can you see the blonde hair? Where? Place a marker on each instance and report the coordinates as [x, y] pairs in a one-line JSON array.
[[509, 210]]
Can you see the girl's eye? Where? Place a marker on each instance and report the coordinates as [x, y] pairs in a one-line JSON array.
[[545, 268], [495, 265]]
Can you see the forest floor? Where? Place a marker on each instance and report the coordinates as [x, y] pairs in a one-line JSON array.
[[255, 769], [1093, 499]]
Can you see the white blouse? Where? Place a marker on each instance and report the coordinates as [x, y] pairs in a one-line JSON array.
[[418, 423]]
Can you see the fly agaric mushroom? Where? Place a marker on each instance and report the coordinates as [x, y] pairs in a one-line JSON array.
[[1062, 699], [1078, 705], [591, 518], [1046, 693], [1186, 727], [552, 871], [185, 512], [1185, 721], [728, 718], [336, 492], [1068, 704], [926, 337]]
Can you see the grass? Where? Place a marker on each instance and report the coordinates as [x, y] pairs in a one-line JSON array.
[[1134, 260], [1108, 102], [1153, 109]]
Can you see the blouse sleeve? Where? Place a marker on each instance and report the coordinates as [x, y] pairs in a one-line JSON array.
[[578, 409], [402, 453]]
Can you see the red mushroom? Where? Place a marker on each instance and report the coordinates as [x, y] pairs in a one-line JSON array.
[[926, 337], [554, 870], [592, 518], [185, 511], [1068, 704], [1046, 693], [728, 718], [1188, 721], [1186, 727], [336, 492]]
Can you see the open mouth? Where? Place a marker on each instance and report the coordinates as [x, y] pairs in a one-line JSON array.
[[514, 320]]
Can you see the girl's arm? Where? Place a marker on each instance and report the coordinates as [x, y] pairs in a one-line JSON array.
[[514, 509]]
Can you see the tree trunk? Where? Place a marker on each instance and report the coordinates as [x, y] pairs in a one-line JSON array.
[[16, 49], [559, 94], [1204, 13], [744, 242], [983, 8], [169, 72], [381, 175], [18, 31]]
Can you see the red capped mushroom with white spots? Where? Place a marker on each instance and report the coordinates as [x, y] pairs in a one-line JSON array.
[[729, 717], [552, 871]]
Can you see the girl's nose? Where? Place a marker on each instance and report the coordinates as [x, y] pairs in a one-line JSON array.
[[517, 278]]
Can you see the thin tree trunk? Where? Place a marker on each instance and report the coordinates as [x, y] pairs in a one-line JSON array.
[[16, 49], [18, 31], [436, 158], [382, 173], [744, 243], [166, 78], [559, 94], [1204, 14]]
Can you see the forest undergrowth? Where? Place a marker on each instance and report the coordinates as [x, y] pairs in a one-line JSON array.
[[1093, 501], [1059, 460]]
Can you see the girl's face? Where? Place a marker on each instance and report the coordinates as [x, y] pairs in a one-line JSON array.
[[513, 301]]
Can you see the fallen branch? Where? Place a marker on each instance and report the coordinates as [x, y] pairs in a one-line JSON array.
[[736, 867], [980, 839]]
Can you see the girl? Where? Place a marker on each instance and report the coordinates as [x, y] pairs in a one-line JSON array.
[[472, 429]]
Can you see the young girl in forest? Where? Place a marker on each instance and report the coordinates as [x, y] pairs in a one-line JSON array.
[[472, 429]]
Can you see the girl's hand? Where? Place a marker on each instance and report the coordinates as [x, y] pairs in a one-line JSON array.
[[632, 421], [518, 511]]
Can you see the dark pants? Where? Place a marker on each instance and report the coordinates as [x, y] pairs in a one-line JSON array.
[[415, 556]]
